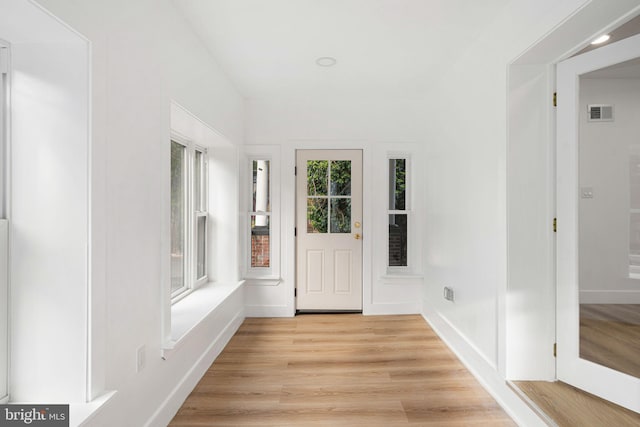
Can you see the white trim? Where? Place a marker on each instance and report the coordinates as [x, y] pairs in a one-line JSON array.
[[189, 313], [611, 385], [609, 297], [483, 371], [252, 153], [268, 311], [170, 406]]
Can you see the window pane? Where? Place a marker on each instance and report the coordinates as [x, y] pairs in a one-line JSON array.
[[397, 184], [317, 177], [397, 240], [201, 247], [317, 215], [341, 178], [260, 241], [198, 187], [341, 215], [261, 202], [178, 204]]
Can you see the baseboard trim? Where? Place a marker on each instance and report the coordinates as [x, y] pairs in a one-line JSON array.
[[488, 377], [178, 395], [268, 311], [391, 309], [609, 297]]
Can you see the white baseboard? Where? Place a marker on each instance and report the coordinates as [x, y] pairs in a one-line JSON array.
[[391, 309], [609, 297], [176, 398], [268, 311], [486, 374]]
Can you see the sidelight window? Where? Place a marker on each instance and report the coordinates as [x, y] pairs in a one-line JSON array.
[[398, 213]]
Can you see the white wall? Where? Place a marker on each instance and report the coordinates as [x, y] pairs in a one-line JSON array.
[[490, 193], [605, 148], [48, 206], [377, 126], [142, 56]]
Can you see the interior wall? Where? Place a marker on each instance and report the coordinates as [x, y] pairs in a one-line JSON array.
[[377, 127], [48, 206], [530, 301], [605, 149], [143, 55], [467, 179]]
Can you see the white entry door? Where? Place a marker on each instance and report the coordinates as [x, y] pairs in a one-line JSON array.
[[328, 230], [598, 208]]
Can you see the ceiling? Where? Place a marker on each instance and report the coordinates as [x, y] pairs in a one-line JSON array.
[[393, 48], [623, 70]]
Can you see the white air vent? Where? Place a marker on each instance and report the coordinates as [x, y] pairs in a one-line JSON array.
[[600, 113]]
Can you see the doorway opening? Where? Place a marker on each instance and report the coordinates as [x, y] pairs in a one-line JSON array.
[[329, 231]]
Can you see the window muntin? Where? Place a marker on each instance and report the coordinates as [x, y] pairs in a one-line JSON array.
[[189, 217], [260, 214], [398, 214], [328, 196]]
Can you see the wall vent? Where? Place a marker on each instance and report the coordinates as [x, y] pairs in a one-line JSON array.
[[600, 113]]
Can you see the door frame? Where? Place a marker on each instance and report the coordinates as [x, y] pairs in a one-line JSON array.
[[362, 263], [531, 126], [607, 383], [288, 212]]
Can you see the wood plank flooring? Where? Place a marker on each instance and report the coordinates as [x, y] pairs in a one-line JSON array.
[[610, 336], [568, 406], [338, 370]]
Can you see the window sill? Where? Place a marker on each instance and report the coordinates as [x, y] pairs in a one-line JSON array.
[[190, 311], [81, 414], [263, 281]]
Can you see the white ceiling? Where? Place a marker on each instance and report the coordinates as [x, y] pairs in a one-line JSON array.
[[390, 48], [623, 70]]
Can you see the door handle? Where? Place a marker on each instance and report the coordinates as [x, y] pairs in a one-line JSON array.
[[357, 236]]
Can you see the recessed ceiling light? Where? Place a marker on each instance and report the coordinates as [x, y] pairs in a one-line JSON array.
[[603, 38], [326, 61]]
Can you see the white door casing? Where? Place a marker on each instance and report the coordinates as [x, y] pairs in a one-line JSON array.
[[329, 240], [602, 381]]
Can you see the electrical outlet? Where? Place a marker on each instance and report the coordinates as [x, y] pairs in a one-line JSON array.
[[141, 358], [448, 293]]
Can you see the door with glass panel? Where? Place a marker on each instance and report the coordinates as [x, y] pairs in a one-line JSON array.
[[329, 230], [598, 205]]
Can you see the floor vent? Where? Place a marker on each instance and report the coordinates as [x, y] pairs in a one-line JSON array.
[[600, 113]]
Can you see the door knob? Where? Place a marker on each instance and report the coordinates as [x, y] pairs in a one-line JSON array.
[[357, 236]]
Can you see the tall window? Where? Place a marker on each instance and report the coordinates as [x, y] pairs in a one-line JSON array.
[[260, 214], [188, 216], [398, 213]]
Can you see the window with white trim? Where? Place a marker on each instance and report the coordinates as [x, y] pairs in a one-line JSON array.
[[260, 214], [189, 216], [398, 214]]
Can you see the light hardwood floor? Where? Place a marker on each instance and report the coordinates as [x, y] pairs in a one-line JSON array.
[[338, 370], [610, 336], [569, 407]]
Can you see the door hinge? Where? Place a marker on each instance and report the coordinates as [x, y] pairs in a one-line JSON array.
[[555, 350], [555, 99], [295, 231], [295, 170], [555, 225], [295, 292]]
